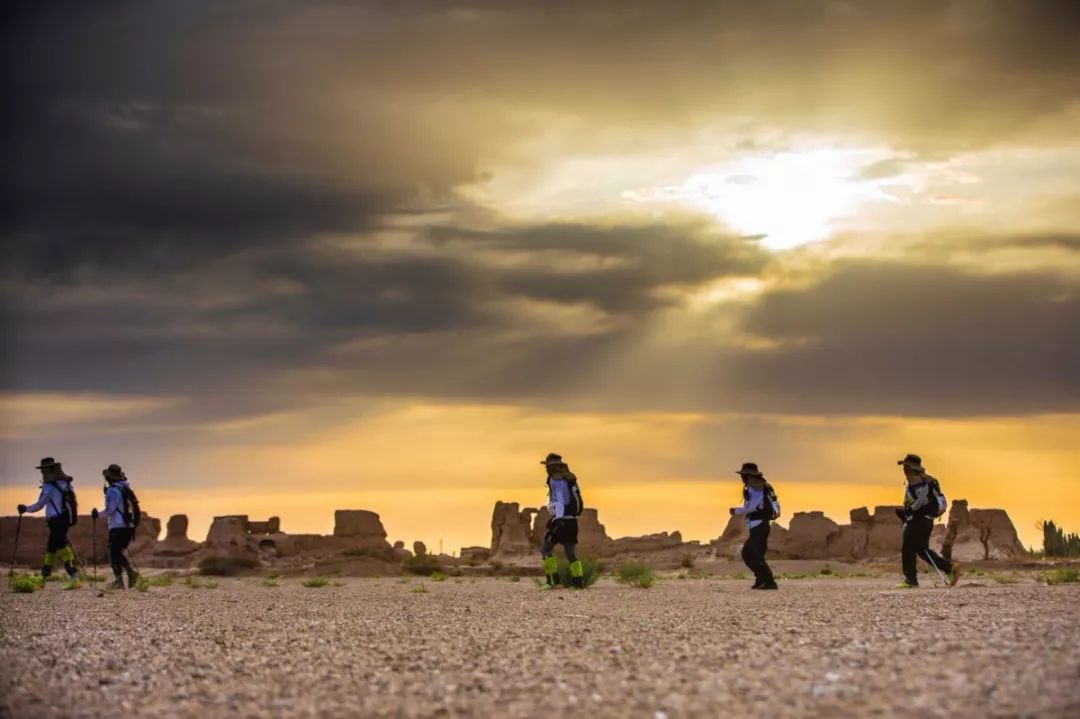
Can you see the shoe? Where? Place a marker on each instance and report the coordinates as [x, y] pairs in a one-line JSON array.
[[118, 583], [758, 585], [133, 577], [545, 586], [954, 575], [577, 582], [907, 585], [768, 585], [73, 583]]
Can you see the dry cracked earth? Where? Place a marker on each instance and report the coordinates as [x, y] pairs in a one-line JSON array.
[[490, 647]]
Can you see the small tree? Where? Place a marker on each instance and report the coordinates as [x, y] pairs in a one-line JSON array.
[[1058, 544]]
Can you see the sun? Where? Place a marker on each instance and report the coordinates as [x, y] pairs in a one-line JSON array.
[[789, 198]]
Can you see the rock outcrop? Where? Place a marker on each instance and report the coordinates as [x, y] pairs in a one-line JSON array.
[[419, 548], [362, 529], [176, 542], [979, 534], [511, 531]]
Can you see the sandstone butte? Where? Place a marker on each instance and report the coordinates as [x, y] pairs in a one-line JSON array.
[[360, 538]]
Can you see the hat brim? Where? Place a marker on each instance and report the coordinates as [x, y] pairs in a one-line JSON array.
[[749, 474], [46, 466]]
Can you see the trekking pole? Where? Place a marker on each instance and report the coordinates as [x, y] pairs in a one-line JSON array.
[[14, 549], [940, 573], [93, 538]]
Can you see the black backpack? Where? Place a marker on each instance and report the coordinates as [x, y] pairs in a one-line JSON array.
[[574, 504], [771, 509], [70, 502], [130, 507], [940, 503]]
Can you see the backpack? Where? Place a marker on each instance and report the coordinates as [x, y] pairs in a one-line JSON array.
[[69, 504], [941, 504], [574, 504], [771, 510], [130, 507]]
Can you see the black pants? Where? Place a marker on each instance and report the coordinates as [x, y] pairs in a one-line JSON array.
[[753, 553], [561, 531], [119, 539], [917, 543], [58, 534]]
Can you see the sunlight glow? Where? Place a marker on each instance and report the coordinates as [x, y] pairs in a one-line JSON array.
[[789, 198]]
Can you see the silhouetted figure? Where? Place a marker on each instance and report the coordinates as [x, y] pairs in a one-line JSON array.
[[61, 511], [760, 507], [923, 503], [564, 503], [120, 509]]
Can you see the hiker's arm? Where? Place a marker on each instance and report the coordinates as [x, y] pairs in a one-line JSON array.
[[42, 500], [112, 502], [558, 492], [753, 499]]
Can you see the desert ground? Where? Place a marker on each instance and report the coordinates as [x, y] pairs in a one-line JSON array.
[[498, 647]]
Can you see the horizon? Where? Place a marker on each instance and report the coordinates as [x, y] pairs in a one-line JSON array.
[[354, 256]]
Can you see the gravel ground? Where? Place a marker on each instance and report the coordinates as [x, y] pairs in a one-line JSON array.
[[375, 647]]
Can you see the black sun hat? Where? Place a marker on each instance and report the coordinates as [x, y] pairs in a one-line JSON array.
[[552, 458], [47, 463], [750, 469], [913, 461]]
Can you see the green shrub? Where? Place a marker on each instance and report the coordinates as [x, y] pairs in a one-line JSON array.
[[437, 577], [226, 566], [268, 582], [52, 578], [635, 573], [25, 583], [272, 575], [424, 566], [515, 578], [196, 583], [162, 580], [210, 584], [825, 571], [1056, 543], [315, 582], [590, 571], [421, 589], [1004, 578], [1065, 575], [142, 585]]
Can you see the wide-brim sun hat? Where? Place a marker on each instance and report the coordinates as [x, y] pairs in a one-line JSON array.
[[47, 463], [912, 461], [749, 469], [552, 458]]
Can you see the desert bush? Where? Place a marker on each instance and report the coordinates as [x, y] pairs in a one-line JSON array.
[[25, 583], [1065, 575], [1004, 578], [225, 566], [52, 578], [162, 580], [437, 577], [590, 571], [421, 589], [515, 578], [687, 561], [268, 582], [315, 582], [825, 571], [142, 585], [196, 583], [635, 573], [424, 566]]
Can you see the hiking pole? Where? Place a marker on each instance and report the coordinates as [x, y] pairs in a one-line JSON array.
[[14, 549], [941, 574], [93, 539]]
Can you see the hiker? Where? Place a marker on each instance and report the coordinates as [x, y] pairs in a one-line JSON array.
[[61, 511], [564, 503], [118, 513], [760, 507], [923, 503]]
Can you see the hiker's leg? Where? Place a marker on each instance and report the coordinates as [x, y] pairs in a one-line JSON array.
[[929, 555], [548, 562], [909, 550], [117, 545], [753, 554], [766, 571], [577, 570], [571, 551], [67, 556], [56, 541]]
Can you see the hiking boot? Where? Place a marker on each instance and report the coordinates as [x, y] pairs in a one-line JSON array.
[[73, 583], [907, 585], [758, 584], [133, 577], [768, 585], [577, 582], [117, 583], [954, 575]]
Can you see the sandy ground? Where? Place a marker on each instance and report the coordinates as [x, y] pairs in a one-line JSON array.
[[488, 647]]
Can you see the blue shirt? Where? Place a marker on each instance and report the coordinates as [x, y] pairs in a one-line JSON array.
[[114, 505], [51, 498]]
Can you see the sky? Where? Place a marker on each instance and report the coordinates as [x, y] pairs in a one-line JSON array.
[[282, 258]]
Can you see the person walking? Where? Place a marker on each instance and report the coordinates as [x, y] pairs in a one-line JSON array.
[[564, 503], [923, 503], [61, 511], [760, 507], [118, 514]]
